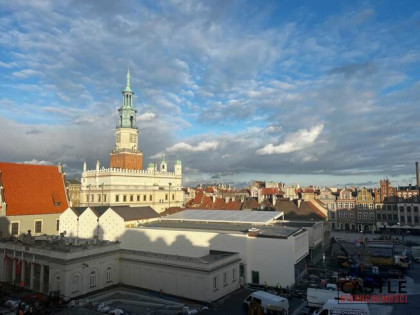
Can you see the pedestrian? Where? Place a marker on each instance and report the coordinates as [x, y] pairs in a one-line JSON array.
[[278, 288], [265, 286]]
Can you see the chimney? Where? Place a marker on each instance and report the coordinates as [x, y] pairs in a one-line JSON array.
[[417, 175]]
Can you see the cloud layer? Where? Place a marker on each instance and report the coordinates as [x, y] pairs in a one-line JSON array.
[[238, 90]]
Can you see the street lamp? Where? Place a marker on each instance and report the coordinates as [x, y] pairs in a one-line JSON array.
[[170, 184]]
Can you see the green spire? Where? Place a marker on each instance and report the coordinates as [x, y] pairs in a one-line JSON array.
[[127, 84]]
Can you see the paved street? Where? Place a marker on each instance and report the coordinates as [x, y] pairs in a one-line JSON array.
[[412, 276]]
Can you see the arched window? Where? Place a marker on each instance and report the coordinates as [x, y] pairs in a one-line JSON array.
[[92, 279]]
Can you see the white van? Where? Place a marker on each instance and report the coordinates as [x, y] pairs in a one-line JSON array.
[[268, 302], [334, 307]]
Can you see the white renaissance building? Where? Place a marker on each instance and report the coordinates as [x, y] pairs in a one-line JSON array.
[[125, 182]]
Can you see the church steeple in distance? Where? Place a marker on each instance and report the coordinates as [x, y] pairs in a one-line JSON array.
[[126, 154]]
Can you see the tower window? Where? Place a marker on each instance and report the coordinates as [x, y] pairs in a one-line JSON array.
[[131, 121]]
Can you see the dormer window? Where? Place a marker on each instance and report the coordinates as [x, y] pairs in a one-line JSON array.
[[56, 199]]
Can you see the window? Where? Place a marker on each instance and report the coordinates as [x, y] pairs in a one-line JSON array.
[[332, 215], [389, 207], [395, 217], [394, 207], [416, 219], [138, 197], [124, 198], [408, 209], [346, 214], [15, 228], [345, 205], [340, 205], [75, 284], [401, 208], [173, 196], [351, 205], [372, 215], [104, 198], [150, 197], [255, 277], [38, 226], [371, 206], [402, 218], [365, 215], [166, 197], [379, 216], [58, 225], [57, 281], [144, 198], [225, 278], [416, 209], [359, 215], [92, 279], [351, 215], [91, 197], [131, 198], [215, 283], [233, 275], [117, 198], [108, 274]]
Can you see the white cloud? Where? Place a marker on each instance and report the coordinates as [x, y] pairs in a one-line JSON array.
[[38, 162], [146, 116], [296, 141], [201, 147]]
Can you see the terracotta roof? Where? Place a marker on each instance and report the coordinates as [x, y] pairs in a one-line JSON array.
[[209, 190], [32, 189], [172, 210], [306, 211], [198, 197], [269, 191], [234, 205], [219, 204]]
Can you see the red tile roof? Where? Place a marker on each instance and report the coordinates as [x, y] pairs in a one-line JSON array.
[[32, 189], [270, 191]]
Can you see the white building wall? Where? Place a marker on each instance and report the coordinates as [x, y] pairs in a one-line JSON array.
[[88, 224], [272, 258], [69, 223], [189, 283], [111, 226]]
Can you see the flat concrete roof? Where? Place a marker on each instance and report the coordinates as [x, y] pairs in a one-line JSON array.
[[226, 216], [265, 230]]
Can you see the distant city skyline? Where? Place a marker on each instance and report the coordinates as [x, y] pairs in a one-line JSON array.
[[307, 93]]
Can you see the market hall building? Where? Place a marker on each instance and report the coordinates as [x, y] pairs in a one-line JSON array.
[[199, 255]]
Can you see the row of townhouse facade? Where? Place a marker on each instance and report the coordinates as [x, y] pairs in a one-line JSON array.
[[386, 208]]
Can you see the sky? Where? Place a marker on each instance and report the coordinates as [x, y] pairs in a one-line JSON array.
[[307, 92]]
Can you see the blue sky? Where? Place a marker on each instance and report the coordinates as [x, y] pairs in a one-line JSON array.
[[313, 92]]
